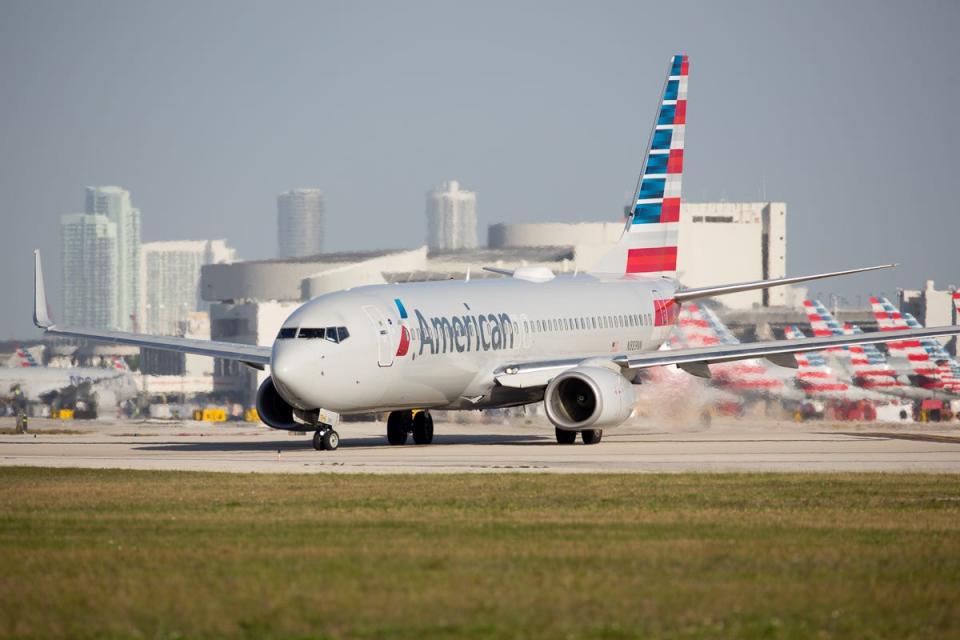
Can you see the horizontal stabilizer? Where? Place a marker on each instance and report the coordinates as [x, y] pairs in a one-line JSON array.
[[706, 292]]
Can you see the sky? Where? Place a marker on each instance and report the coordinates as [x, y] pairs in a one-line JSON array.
[[205, 111]]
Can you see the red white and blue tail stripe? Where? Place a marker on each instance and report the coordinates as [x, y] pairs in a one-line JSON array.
[[869, 367], [889, 318], [649, 242]]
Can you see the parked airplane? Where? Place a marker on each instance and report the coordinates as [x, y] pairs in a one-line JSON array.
[[575, 342], [36, 381], [818, 380], [867, 365], [699, 327], [932, 366]]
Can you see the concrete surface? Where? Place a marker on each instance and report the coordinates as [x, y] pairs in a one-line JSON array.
[[523, 445]]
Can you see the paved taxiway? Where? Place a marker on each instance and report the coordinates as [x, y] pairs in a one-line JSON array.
[[725, 446]]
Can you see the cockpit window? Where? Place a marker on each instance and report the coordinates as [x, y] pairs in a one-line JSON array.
[[287, 332], [333, 334]]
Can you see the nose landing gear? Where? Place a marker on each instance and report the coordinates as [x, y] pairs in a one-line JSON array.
[[326, 439], [402, 423]]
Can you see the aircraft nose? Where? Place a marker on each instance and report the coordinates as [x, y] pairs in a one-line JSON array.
[[290, 368]]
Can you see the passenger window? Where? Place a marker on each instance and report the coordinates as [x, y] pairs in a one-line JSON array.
[[312, 333], [287, 332]]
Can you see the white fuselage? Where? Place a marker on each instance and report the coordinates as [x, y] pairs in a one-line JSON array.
[[459, 334]]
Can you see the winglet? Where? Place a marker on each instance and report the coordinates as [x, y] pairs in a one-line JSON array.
[[41, 317]]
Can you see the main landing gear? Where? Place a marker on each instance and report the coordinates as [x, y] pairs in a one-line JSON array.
[[402, 423], [325, 438], [589, 436]]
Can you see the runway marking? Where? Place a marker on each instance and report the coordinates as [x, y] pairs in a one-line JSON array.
[[919, 437]]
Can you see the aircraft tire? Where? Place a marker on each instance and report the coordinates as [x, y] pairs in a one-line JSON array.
[[330, 440], [591, 436], [565, 437], [396, 428], [423, 428], [318, 440]]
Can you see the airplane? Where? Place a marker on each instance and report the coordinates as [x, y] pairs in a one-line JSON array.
[[931, 365], [574, 342], [700, 326], [817, 379], [867, 365], [37, 381]]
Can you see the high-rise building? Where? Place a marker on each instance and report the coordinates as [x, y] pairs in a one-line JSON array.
[[170, 281], [89, 254], [114, 203], [300, 223], [451, 217]]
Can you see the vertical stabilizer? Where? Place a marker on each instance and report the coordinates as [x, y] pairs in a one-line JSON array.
[[649, 242]]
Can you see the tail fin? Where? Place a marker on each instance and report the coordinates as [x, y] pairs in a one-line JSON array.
[[869, 367], [648, 245], [24, 358]]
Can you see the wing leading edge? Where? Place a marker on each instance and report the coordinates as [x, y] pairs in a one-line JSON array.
[[534, 374], [252, 355]]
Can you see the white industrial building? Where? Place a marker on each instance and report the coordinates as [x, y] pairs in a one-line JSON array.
[[88, 250], [451, 217], [300, 223], [721, 242], [170, 281], [114, 203]]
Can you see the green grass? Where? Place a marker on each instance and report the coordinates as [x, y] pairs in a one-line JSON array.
[[162, 555]]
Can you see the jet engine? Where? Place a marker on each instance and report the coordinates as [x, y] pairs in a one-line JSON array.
[[588, 397], [273, 409]]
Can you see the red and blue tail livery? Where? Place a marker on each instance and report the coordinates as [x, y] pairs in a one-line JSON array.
[[649, 242]]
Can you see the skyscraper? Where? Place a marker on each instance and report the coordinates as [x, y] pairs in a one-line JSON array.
[[90, 276], [114, 203], [300, 223], [451, 217], [170, 281]]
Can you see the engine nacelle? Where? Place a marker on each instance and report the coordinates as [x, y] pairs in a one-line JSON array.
[[588, 397], [273, 409]]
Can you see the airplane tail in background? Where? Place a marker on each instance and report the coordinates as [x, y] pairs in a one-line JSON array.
[[813, 374], [649, 242], [869, 367], [25, 359]]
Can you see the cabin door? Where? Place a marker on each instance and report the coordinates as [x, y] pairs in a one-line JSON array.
[[384, 332]]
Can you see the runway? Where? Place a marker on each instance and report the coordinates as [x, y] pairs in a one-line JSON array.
[[485, 448]]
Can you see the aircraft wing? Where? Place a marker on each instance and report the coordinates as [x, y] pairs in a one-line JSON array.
[[252, 355], [533, 374]]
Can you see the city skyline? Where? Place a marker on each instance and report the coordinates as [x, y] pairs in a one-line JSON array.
[[205, 134]]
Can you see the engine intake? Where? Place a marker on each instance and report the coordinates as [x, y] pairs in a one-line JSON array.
[[273, 409], [588, 397]]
